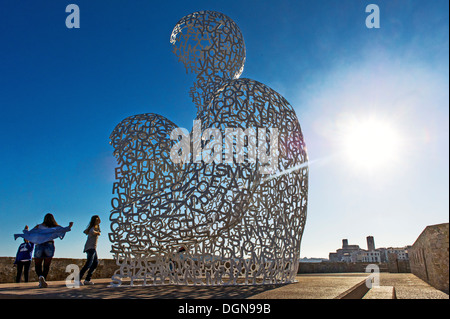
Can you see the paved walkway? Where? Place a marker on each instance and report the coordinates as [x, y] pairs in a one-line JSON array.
[[309, 286], [314, 286], [409, 286]]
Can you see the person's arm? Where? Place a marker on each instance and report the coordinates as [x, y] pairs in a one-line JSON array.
[[68, 228], [17, 254]]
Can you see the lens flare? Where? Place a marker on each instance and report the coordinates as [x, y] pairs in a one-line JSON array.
[[370, 143]]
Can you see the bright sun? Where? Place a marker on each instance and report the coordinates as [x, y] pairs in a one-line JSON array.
[[370, 143]]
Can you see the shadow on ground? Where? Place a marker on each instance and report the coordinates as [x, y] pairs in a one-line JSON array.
[[103, 291]]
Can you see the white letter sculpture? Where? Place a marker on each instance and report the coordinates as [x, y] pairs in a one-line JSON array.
[[220, 222]]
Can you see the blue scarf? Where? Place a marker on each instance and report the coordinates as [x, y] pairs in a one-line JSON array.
[[39, 236]]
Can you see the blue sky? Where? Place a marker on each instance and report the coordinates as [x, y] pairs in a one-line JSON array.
[[62, 91]]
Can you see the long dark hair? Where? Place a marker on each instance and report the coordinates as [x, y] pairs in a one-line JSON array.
[[91, 224], [50, 221]]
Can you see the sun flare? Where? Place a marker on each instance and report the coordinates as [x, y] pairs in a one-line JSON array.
[[371, 143]]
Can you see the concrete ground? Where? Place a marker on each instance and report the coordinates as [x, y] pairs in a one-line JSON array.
[[309, 286], [409, 286]]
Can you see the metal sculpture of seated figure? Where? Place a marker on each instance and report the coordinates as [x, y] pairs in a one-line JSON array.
[[216, 217]]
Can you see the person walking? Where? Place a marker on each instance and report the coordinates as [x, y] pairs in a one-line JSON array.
[[43, 236], [44, 252], [23, 259], [90, 248]]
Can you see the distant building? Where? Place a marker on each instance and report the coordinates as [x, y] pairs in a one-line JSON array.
[[372, 256], [348, 253], [353, 253], [402, 253], [370, 243]]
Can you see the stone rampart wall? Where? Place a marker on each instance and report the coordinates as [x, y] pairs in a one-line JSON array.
[[429, 256], [8, 271], [337, 267]]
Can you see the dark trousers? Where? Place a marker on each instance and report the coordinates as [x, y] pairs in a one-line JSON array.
[[25, 266], [38, 266], [91, 264]]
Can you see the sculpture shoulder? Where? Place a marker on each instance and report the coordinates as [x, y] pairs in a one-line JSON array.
[[141, 127], [143, 137], [248, 102], [249, 87]]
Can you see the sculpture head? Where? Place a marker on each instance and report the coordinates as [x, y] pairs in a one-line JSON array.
[[211, 46]]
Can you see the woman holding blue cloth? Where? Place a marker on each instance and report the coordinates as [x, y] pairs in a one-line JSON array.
[[43, 236]]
